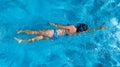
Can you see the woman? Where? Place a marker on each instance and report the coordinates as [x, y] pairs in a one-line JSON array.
[[53, 34]]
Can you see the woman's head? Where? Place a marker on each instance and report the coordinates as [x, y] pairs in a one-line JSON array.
[[81, 27]]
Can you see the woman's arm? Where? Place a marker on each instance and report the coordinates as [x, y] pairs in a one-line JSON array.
[[59, 26], [99, 28]]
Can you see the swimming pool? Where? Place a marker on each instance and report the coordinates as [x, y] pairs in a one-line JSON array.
[[96, 49]]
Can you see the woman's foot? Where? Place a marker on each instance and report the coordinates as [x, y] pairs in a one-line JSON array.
[[17, 39]]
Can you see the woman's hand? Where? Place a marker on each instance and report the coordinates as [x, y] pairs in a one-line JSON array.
[[52, 24], [100, 28]]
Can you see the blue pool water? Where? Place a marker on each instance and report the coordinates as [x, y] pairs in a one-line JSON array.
[[96, 49]]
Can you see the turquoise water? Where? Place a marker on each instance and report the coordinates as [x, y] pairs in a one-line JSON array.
[[95, 49]]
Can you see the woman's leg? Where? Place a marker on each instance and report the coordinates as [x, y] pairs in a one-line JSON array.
[[29, 40], [27, 31], [31, 32]]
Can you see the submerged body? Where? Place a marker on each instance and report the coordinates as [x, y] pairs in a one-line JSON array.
[[63, 30], [50, 33]]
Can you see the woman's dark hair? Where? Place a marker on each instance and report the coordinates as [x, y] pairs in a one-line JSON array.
[[81, 27]]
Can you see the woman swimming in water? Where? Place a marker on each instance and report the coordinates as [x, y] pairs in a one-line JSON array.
[[53, 34]]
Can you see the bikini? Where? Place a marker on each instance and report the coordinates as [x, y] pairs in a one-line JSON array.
[[55, 35]]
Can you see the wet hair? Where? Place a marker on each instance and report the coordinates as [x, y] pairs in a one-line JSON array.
[[81, 27]]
